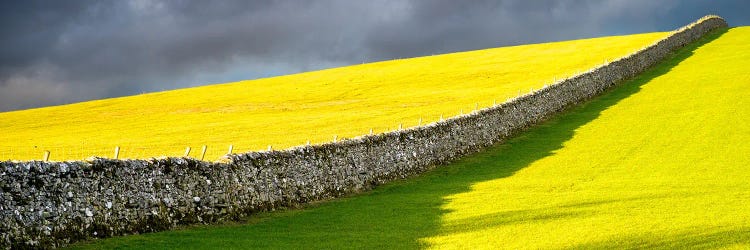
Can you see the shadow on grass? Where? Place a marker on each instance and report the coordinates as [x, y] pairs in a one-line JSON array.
[[398, 215]]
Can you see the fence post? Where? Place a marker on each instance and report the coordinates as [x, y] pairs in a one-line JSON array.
[[117, 152], [46, 155], [400, 126], [269, 148], [230, 149], [335, 137], [187, 151], [441, 117], [203, 152], [370, 131]]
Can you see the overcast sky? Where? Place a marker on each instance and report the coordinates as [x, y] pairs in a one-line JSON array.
[[57, 52]]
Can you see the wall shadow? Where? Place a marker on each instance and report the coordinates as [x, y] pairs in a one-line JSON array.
[[399, 214]]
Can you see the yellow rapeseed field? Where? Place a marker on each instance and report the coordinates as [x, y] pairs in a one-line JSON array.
[[665, 166], [660, 162], [290, 110]]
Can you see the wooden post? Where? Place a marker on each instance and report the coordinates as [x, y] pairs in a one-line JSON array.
[[230, 149], [187, 151], [203, 152], [370, 131], [400, 126], [46, 155], [117, 152], [269, 148], [335, 137]]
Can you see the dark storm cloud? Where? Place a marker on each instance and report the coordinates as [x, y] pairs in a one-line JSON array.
[[54, 52]]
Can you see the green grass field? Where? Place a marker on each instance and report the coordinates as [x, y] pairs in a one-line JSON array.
[[660, 162], [289, 110]]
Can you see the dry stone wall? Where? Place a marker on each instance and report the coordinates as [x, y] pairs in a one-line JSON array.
[[51, 204]]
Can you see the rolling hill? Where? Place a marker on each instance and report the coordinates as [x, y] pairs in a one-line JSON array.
[[659, 162], [291, 110]]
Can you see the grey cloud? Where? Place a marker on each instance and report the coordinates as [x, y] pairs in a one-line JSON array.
[[55, 52], [446, 26]]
